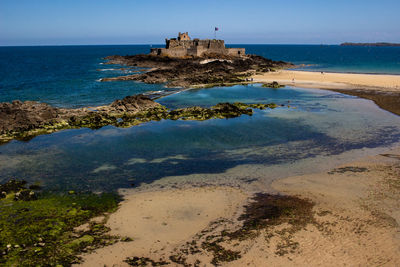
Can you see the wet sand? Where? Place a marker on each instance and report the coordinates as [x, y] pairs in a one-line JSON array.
[[384, 90], [356, 221], [160, 221]]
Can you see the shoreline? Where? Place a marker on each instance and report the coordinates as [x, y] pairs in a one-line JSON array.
[[353, 208], [332, 80], [340, 72], [383, 89]]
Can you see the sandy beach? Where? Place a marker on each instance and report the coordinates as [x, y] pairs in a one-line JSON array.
[[353, 220], [384, 90], [327, 80]]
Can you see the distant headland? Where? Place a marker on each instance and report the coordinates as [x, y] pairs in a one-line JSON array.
[[370, 44]]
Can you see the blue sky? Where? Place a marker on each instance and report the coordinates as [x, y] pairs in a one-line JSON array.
[[57, 22]]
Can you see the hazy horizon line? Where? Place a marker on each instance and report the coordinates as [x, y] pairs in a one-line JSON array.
[[110, 44]]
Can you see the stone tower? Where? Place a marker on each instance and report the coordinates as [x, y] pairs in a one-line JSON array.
[[183, 36]]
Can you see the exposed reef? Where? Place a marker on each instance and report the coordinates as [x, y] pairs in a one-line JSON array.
[[25, 120], [187, 72], [274, 85], [44, 229]]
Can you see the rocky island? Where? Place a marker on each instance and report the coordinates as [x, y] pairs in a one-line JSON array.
[[195, 63]]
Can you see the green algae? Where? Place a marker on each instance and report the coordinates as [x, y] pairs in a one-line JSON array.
[[274, 85], [40, 231], [97, 120], [80, 242]]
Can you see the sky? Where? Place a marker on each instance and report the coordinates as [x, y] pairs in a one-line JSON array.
[[76, 22]]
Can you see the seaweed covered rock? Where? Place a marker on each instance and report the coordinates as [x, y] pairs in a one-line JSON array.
[[93, 120], [227, 110], [42, 232], [274, 85], [129, 111], [12, 185], [24, 120], [25, 195], [18, 187]]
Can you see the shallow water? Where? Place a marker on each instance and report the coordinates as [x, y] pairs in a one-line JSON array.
[[318, 125]]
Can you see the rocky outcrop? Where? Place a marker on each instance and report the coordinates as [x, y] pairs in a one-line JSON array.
[[25, 120], [274, 85], [130, 104], [22, 116], [186, 72]]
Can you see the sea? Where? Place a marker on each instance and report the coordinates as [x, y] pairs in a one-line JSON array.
[[313, 131]]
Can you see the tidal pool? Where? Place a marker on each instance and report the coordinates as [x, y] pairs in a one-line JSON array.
[[314, 130]]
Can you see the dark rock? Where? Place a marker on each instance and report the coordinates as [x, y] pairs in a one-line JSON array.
[[179, 72], [20, 116], [12, 186], [25, 195], [133, 103]]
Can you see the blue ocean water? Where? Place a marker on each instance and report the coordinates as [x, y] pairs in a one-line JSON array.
[[313, 128], [333, 58], [68, 76], [65, 76]]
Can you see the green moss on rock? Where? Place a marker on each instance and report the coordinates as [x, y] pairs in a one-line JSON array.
[[39, 231], [97, 120], [274, 85]]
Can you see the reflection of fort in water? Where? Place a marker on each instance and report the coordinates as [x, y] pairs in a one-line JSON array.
[[184, 46]]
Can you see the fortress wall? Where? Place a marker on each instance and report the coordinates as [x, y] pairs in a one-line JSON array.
[[193, 51], [157, 51], [196, 47], [172, 43], [236, 51], [196, 51], [171, 52], [175, 52]]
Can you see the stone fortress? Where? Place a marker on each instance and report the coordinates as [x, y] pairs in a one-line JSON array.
[[184, 46]]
